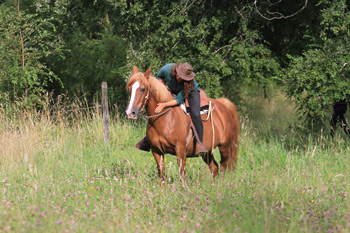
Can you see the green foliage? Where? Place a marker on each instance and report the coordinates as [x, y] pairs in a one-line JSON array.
[[89, 62], [27, 44], [72, 46], [94, 51], [251, 64], [321, 77], [216, 42]]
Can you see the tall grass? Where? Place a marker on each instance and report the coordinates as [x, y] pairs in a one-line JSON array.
[[57, 175]]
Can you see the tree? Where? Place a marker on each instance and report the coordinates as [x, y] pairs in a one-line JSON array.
[[90, 62], [219, 39], [27, 43], [320, 77]]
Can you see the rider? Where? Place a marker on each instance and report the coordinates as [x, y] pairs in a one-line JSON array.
[[180, 80]]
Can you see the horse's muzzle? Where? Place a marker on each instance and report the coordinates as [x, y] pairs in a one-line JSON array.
[[132, 113]]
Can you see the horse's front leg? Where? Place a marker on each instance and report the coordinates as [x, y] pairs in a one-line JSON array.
[[181, 161], [159, 157]]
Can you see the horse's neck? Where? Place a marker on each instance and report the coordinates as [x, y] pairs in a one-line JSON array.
[[153, 102], [151, 105], [154, 98]]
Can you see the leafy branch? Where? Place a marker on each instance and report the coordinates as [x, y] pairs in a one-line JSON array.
[[277, 15]]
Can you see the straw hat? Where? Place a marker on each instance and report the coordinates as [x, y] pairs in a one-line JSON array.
[[185, 71]]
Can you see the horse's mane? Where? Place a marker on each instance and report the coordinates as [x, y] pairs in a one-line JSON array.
[[158, 89]]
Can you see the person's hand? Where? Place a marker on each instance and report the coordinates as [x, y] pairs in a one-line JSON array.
[[160, 107]]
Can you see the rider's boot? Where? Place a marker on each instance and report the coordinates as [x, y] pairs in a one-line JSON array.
[[200, 148], [144, 145]]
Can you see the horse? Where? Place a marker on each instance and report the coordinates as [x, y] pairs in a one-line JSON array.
[[170, 131]]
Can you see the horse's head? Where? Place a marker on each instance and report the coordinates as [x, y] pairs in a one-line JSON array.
[[139, 92]]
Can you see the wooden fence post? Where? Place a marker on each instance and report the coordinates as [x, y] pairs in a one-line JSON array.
[[105, 112]]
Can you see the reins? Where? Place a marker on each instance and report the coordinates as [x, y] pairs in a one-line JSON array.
[[159, 114], [209, 111], [210, 115]]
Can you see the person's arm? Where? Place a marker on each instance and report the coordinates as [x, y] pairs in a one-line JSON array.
[[176, 101], [161, 106], [180, 97]]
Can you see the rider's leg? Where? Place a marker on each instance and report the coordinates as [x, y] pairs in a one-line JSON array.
[[194, 108]]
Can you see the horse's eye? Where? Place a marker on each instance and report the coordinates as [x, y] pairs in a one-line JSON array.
[[142, 90]]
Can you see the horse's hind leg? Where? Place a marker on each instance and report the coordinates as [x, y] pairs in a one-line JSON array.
[[213, 165], [228, 157]]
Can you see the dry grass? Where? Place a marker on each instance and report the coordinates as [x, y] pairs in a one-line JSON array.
[[27, 136]]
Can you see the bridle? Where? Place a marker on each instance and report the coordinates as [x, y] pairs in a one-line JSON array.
[[147, 96]]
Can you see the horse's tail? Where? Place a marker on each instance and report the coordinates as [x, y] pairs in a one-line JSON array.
[[234, 121]]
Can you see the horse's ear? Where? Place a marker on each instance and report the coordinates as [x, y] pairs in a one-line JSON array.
[[147, 73], [134, 70]]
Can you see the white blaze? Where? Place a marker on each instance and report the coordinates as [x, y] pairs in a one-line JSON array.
[[135, 86]]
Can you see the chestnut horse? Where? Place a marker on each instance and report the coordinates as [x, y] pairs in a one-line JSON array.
[[170, 132]]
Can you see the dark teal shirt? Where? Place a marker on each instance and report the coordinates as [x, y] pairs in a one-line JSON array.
[[170, 80]]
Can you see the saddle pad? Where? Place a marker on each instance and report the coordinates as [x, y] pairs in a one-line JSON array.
[[204, 109]]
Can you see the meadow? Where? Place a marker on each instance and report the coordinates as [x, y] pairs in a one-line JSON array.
[[58, 175]]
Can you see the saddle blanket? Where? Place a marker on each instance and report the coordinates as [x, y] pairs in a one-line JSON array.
[[204, 109]]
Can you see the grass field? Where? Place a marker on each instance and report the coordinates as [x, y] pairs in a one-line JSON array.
[[57, 175]]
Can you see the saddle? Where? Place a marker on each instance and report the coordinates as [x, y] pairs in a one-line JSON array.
[[204, 103], [203, 97]]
